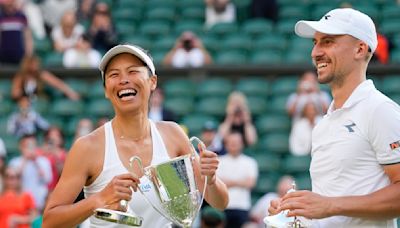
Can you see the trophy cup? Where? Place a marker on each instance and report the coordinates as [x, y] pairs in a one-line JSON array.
[[282, 221], [175, 195]]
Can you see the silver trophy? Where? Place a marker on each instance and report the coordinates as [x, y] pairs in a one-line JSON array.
[[175, 193], [281, 220]]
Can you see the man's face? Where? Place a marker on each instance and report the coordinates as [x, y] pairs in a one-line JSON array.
[[333, 56], [127, 83], [234, 144]]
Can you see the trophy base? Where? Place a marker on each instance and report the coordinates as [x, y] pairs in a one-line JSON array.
[[118, 217]]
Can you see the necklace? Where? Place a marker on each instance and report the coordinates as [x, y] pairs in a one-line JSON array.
[[122, 136]]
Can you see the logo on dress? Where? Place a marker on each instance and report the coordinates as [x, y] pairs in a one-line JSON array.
[[145, 187], [350, 127], [395, 145]]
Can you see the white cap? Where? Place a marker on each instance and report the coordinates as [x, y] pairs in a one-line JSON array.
[[131, 49], [340, 22]]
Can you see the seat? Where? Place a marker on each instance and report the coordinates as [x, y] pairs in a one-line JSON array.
[[212, 43], [129, 15], [270, 42], [99, 107], [129, 4], [254, 86], [303, 181], [212, 106], [395, 56], [267, 162], [296, 164], [390, 27], [155, 28], [265, 57], [232, 57], [79, 85], [277, 104], [277, 143], [41, 105], [7, 107], [138, 39], [181, 106], [391, 84], [266, 183], [12, 146], [53, 59], [3, 126], [321, 9], [42, 46], [96, 89], [284, 85], [257, 105], [195, 122], [158, 56], [390, 11], [256, 27], [298, 57], [301, 45], [285, 27], [192, 13], [214, 87], [161, 13], [294, 12], [223, 29], [152, 4], [64, 107], [270, 123], [236, 42], [188, 25], [180, 87], [5, 88]]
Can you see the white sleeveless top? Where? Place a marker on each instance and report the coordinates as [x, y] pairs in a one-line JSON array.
[[113, 166]]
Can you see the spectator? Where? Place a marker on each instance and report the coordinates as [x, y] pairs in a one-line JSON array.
[[300, 135], [84, 127], [35, 170], [239, 172], [211, 138], [307, 89], [17, 206], [3, 151], [157, 110], [26, 121], [53, 11], [267, 9], [85, 10], [53, 149], [102, 33], [16, 38], [82, 55], [212, 218], [34, 16], [382, 52], [31, 79], [188, 51], [219, 11], [238, 119], [67, 33], [260, 209], [2, 171]]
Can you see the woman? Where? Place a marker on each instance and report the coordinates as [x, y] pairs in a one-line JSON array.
[[31, 80], [17, 208]]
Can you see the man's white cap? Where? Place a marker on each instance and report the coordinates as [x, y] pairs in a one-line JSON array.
[[125, 48], [340, 22]]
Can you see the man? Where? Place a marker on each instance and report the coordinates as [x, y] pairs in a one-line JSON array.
[[99, 161], [157, 110], [239, 172], [355, 166]]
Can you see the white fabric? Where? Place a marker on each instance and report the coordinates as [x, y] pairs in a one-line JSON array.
[[350, 145], [300, 136], [228, 16], [241, 167], [68, 42], [113, 166], [32, 181], [53, 10], [260, 209], [339, 22], [75, 58], [192, 58]]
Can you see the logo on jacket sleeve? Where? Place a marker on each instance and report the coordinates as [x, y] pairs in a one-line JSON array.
[[395, 145]]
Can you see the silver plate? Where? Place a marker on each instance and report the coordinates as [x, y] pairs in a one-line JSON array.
[[118, 217]]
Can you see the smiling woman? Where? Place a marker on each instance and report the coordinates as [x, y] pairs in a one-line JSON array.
[[98, 162]]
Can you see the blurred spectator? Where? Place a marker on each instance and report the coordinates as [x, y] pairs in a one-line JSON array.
[[307, 89], [35, 170], [212, 218], [17, 206], [188, 51], [84, 127], [16, 38], [219, 11], [3, 151], [239, 172], [238, 119], [382, 52], [53, 149], [267, 9], [2, 171], [31, 79], [26, 121], [85, 10], [34, 16], [82, 55], [67, 33], [260, 209], [53, 11], [102, 33], [101, 121], [211, 138], [300, 134], [157, 111]]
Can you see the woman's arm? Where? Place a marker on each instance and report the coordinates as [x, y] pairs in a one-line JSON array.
[[57, 83]]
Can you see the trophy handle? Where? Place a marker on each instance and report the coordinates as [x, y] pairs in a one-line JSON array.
[[194, 155]]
